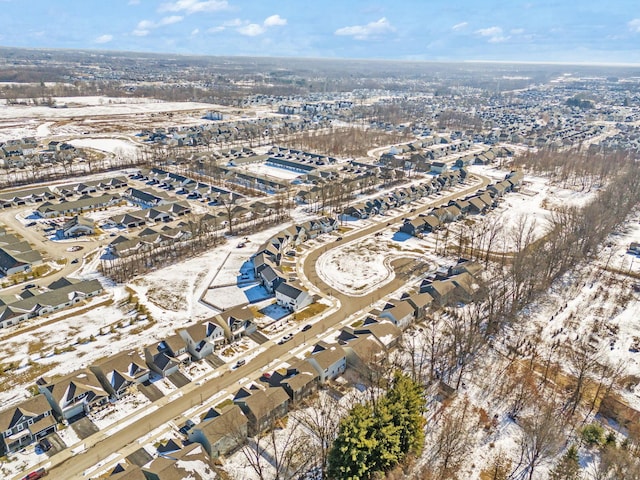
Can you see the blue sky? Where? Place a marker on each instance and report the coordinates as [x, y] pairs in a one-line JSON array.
[[583, 31]]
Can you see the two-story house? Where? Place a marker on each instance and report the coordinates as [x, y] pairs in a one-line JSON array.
[[25, 423]]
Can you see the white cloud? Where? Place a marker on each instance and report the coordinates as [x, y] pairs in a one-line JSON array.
[[370, 30], [195, 31], [169, 20], [459, 26], [516, 31], [194, 6], [236, 22], [243, 27], [104, 38], [274, 21], [144, 27], [634, 25], [494, 34], [252, 30]]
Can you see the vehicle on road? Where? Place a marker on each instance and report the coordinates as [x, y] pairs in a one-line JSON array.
[[306, 327], [31, 224], [266, 375], [286, 338], [338, 239], [240, 362], [29, 285], [41, 472], [240, 245], [75, 260]]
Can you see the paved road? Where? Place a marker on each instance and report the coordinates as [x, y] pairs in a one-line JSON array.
[[103, 444]]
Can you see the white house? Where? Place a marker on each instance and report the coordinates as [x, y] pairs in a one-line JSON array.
[[329, 363], [292, 297]]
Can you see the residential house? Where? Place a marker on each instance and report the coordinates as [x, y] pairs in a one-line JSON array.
[[400, 312], [300, 381], [420, 303], [74, 394], [25, 423], [442, 291], [238, 321], [329, 362], [119, 372], [292, 297], [364, 352], [202, 338], [223, 433], [190, 462], [263, 407], [75, 227], [160, 362], [175, 347]]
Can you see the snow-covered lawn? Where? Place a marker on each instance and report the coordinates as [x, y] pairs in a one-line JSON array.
[[113, 412]]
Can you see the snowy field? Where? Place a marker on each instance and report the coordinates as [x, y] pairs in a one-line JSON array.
[[111, 145], [359, 267], [97, 106], [269, 171]]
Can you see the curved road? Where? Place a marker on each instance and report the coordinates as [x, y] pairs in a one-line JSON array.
[[102, 444]]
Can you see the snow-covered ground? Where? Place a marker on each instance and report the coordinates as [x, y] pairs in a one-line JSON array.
[[359, 267], [532, 207], [111, 145], [97, 106], [269, 171]]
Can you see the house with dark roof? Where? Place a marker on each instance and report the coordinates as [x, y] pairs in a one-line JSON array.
[[119, 372], [25, 423], [292, 297], [399, 312], [160, 362], [146, 198], [43, 303]]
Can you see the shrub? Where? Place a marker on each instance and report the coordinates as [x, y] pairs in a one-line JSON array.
[[592, 434]]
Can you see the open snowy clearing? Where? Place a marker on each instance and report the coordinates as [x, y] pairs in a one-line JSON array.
[[111, 145], [359, 267], [269, 171], [94, 109]]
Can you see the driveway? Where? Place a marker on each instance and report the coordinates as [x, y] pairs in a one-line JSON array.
[[84, 427], [150, 391], [178, 379]]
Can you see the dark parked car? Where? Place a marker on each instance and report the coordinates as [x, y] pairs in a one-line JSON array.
[[45, 445], [29, 285], [75, 260], [306, 327]]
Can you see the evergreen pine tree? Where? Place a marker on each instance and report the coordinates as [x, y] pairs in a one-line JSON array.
[[387, 452], [407, 398], [350, 457], [568, 468]]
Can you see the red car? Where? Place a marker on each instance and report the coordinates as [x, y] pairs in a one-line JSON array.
[[41, 472]]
